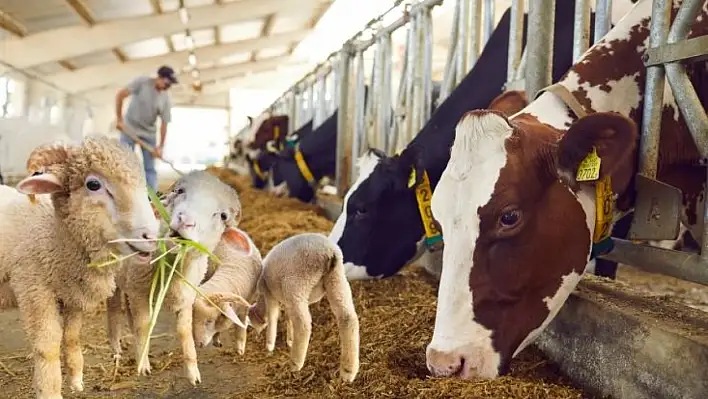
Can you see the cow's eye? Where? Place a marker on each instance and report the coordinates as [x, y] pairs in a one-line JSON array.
[[510, 218], [359, 213]]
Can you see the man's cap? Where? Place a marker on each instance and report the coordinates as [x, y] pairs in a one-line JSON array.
[[168, 73]]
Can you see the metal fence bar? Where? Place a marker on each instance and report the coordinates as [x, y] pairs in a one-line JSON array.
[[603, 19], [462, 41], [488, 20], [515, 39], [475, 33], [540, 45], [426, 25], [359, 128], [383, 98], [677, 264], [450, 60], [343, 171], [581, 28]]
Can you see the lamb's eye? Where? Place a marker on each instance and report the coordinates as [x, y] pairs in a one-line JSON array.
[[93, 185], [224, 216]]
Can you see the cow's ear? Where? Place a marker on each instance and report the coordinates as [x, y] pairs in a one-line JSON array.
[[410, 168], [607, 138]]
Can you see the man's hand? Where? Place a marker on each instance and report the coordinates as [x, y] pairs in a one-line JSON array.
[[120, 125], [158, 151]]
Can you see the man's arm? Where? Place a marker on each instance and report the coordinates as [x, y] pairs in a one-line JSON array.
[[165, 118], [122, 94]]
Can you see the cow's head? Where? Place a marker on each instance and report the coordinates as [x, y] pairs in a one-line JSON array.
[[518, 231], [380, 224]]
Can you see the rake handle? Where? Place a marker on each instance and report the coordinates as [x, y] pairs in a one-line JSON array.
[[150, 148]]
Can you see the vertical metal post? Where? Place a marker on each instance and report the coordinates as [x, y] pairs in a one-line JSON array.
[[413, 65], [488, 20], [426, 26], [418, 75], [603, 19], [581, 28], [384, 92], [311, 100], [541, 26], [516, 31], [322, 98], [654, 92], [462, 41], [343, 167], [292, 106], [451, 60], [475, 33], [359, 128]]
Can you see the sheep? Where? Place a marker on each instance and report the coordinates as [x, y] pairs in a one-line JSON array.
[[235, 278], [202, 209], [297, 272], [98, 195]]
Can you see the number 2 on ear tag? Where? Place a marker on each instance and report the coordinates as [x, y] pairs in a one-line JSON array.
[[589, 168], [411, 179]]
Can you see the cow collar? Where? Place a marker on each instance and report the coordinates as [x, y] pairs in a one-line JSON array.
[[302, 165], [589, 170], [424, 196]]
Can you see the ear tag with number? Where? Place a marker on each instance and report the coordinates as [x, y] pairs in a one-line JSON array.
[[411, 179], [589, 168]]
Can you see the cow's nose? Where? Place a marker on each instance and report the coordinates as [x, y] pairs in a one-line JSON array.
[[443, 363]]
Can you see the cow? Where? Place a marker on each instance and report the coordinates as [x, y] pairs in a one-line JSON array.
[[517, 201], [260, 163], [380, 229], [272, 128]]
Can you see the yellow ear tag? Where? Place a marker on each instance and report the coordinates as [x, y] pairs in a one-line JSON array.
[[589, 168], [411, 179]]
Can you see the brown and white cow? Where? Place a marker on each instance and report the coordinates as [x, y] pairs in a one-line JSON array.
[[518, 227]]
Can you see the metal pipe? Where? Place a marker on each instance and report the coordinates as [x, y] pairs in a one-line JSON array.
[[475, 33], [384, 104], [364, 44], [603, 19], [418, 78], [462, 41], [343, 174], [359, 113], [684, 19], [689, 104], [488, 20], [516, 32], [581, 29], [682, 265], [427, 34], [540, 45], [654, 92], [410, 80], [451, 61]]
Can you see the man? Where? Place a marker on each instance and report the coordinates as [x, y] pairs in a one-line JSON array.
[[149, 100]]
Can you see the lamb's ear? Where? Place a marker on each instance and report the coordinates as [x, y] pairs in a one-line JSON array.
[[614, 138], [230, 313], [237, 239], [45, 183]]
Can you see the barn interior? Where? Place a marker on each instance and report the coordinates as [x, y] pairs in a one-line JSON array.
[[351, 75]]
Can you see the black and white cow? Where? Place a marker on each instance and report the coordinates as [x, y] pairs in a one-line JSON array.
[[380, 229], [260, 164], [319, 152]]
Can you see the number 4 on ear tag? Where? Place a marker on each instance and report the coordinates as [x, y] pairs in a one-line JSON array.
[[589, 168]]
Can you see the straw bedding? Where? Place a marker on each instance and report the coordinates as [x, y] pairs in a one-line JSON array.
[[396, 320]]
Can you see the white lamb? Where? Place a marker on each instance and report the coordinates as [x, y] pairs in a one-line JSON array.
[[297, 272], [98, 194], [202, 209], [235, 278]]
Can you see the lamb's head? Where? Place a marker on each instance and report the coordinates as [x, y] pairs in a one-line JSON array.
[[207, 319], [99, 193], [256, 314], [202, 208]]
